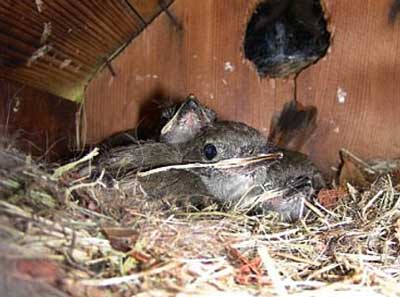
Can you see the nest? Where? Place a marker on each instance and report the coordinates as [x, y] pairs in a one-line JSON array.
[[64, 235]]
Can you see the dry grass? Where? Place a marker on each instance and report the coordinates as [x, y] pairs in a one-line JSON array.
[[104, 242]]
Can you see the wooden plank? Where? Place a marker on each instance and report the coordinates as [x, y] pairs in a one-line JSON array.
[[80, 36], [148, 9], [365, 64], [44, 123], [206, 59]]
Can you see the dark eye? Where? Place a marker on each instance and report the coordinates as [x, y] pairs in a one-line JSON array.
[[210, 151]]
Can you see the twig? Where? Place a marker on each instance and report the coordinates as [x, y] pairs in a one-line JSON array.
[[223, 164], [273, 271], [63, 169], [128, 278]]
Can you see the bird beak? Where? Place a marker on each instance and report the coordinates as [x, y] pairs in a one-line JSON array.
[[239, 162]]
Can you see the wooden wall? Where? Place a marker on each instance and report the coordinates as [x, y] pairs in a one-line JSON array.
[[364, 63], [44, 123], [205, 58]]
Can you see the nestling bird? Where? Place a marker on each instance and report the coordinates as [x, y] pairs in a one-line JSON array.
[[227, 161], [291, 179]]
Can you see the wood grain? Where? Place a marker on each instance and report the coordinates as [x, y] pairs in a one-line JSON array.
[[364, 63], [148, 9], [206, 59], [44, 123], [82, 36]]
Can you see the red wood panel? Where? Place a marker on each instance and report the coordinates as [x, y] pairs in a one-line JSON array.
[[148, 9], [45, 123], [364, 65], [206, 59]]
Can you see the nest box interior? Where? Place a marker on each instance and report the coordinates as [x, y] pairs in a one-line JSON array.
[[76, 72]]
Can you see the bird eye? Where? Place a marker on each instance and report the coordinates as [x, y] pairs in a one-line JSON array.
[[210, 151]]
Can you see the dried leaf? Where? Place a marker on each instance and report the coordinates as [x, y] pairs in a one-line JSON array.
[[354, 171], [121, 239], [329, 197], [249, 271]]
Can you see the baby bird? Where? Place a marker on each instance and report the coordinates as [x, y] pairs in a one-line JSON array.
[[260, 173], [230, 162]]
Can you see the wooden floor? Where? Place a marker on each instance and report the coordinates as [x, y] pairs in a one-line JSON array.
[[356, 87]]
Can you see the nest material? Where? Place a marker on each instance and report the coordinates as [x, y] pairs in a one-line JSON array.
[[63, 235]]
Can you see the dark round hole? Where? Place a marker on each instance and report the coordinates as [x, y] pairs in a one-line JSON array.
[[285, 36]]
